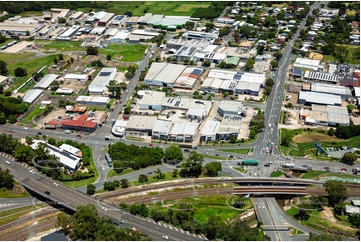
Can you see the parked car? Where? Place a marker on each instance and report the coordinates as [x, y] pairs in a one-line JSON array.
[[47, 192], [7, 162], [150, 144], [304, 165], [217, 154], [343, 169], [165, 237], [326, 168], [186, 150]]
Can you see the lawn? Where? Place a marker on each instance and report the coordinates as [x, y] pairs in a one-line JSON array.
[[303, 141], [60, 46], [152, 179], [353, 50], [238, 151], [4, 193], [113, 173], [122, 68], [125, 52], [276, 174], [314, 174], [32, 65], [212, 157], [33, 114], [240, 168]]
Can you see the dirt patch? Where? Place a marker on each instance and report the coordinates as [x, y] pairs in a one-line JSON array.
[[313, 136], [327, 213]]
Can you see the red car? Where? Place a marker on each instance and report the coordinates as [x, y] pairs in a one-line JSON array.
[[150, 144], [343, 169], [78, 135], [326, 168]]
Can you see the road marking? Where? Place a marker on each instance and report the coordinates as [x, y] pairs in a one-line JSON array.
[[188, 233]]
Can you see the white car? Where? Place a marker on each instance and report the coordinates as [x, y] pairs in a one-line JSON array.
[[31, 171], [56, 184], [25, 128], [103, 208], [165, 237], [7, 162]]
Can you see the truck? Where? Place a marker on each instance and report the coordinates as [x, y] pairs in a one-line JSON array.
[[288, 165], [249, 163]]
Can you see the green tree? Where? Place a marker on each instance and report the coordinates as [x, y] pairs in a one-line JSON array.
[[233, 140], [354, 220], [286, 141], [278, 55], [175, 173], [173, 153], [55, 60], [269, 82], [350, 107], [212, 169], [249, 64], [90, 189], [91, 50], [19, 72], [206, 63], [238, 201], [342, 132], [109, 57], [61, 56], [349, 158], [6, 179], [124, 183], [331, 132], [2, 119], [109, 186], [143, 178], [114, 88], [337, 192], [3, 69], [52, 141]]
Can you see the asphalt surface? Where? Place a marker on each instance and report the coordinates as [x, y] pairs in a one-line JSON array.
[[13, 203], [72, 199]]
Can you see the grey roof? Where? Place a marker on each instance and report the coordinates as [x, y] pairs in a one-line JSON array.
[[152, 98], [330, 88], [248, 86], [164, 72], [32, 95], [338, 115], [230, 124], [184, 128], [162, 126], [320, 98], [144, 19], [231, 106], [211, 127], [321, 76], [139, 122], [102, 79], [46, 81], [55, 236], [156, 19]]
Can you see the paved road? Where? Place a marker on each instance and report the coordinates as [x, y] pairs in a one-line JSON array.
[[12, 203], [72, 199]]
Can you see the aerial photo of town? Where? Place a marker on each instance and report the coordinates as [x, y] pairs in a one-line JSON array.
[[180, 120]]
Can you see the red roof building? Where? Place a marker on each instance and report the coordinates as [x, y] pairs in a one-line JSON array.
[[80, 123]]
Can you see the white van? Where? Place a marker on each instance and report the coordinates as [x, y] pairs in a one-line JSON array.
[[67, 131]]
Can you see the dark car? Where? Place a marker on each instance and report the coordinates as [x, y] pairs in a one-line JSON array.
[[267, 164], [186, 150], [231, 156], [47, 192], [40, 133], [217, 154]]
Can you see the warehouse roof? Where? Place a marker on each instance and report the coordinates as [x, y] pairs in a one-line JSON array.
[[231, 106], [221, 74], [138, 122], [177, 102], [164, 72], [252, 77], [329, 88], [71, 149], [306, 63], [189, 76], [123, 34], [357, 91], [92, 99], [76, 76], [152, 98], [106, 17], [32, 95], [338, 115], [248, 86], [144, 32], [162, 126], [99, 83], [230, 124], [321, 76], [144, 19], [210, 127], [184, 128], [155, 19], [321, 98], [46, 81]]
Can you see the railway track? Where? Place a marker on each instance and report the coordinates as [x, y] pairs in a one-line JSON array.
[[270, 190], [9, 227], [24, 233]]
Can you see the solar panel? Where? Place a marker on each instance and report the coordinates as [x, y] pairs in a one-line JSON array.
[[177, 104], [105, 73], [197, 72]]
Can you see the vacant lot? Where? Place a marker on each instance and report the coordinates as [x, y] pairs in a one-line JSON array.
[[124, 52], [315, 137], [353, 55], [59, 46]]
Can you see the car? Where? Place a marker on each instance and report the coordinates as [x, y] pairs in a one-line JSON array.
[[231, 156], [186, 150], [217, 154], [267, 165], [47, 192], [121, 221], [25, 128], [343, 169], [7, 162], [150, 144], [165, 237], [276, 123], [56, 184], [104, 208], [309, 168], [40, 133], [326, 168], [78, 135], [177, 166], [149, 172], [304, 165]]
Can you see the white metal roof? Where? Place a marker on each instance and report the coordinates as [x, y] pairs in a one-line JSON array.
[[184, 129], [46, 81], [329, 88], [111, 32], [152, 98], [64, 91], [221, 74], [99, 83], [321, 98], [91, 99], [230, 106], [248, 86], [69, 32], [70, 149], [32, 95], [123, 34], [357, 91], [306, 63], [162, 126], [210, 127], [76, 76], [253, 77], [140, 122], [164, 72], [144, 32], [338, 115]]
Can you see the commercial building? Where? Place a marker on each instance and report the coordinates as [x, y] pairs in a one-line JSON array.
[[199, 110], [68, 161], [89, 100], [131, 21], [3, 79], [19, 29], [60, 12], [307, 64], [161, 129], [66, 91], [106, 19], [183, 132], [98, 85], [120, 37], [232, 108], [75, 15], [69, 33], [95, 18], [140, 125], [326, 115], [98, 31], [209, 131], [229, 127], [45, 31], [199, 35], [46, 81], [82, 123], [228, 86], [185, 53], [210, 56], [163, 74], [321, 77], [31, 95], [329, 88], [170, 22], [225, 20], [151, 100], [118, 129], [75, 77], [118, 20], [145, 19], [211, 84], [337, 116], [176, 44], [71, 150], [248, 88], [155, 20], [188, 78], [308, 98], [181, 103]]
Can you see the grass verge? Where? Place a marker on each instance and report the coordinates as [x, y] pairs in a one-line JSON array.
[[4, 193], [33, 114], [276, 174]]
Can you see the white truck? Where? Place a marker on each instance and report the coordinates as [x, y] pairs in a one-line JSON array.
[[288, 165]]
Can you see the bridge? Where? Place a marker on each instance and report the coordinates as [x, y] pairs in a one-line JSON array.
[[275, 181], [260, 190], [275, 227]]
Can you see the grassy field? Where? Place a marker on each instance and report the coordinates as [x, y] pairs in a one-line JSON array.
[[113, 173], [276, 174], [240, 168], [159, 7], [318, 221], [238, 151], [60, 46], [122, 68], [31, 64], [314, 174], [4, 193], [303, 141], [152, 179], [212, 157], [125, 52], [353, 50], [33, 114]]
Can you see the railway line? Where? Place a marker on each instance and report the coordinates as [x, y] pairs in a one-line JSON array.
[[24, 233], [270, 190]]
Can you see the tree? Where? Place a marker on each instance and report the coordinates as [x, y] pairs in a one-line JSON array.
[[342, 132], [349, 158], [175, 173], [336, 191], [124, 183], [238, 201], [233, 139], [109, 57], [90, 50], [61, 56], [286, 141], [267, 90], [278, 55], [354, 220], [173, 153], [19, 72], [3, 69], [52, 141], [55, 60], [143, 178], [260, 49], [6, 179], [206, 63], [318, 201], [2, 119], [128, 13], [114, 88], [269, 82], [109, 186], [212, 169], [331, 132], [90, 189], [350, 107], [249, 64], [324, 237]]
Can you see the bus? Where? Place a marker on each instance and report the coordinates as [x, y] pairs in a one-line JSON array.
[[249, 163], [108, 159]]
